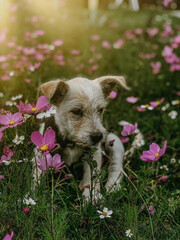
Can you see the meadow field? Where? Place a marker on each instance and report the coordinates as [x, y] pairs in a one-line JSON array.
[[40, 42]]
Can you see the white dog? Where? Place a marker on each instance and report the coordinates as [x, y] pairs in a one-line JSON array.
[[80, 104]]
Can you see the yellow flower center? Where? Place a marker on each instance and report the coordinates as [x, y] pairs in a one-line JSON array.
[[44, 148], [30, 202], [34, 109], [156, 154], [104, 213], [12, 122], [157, 102], [7, 151], [18, 139], [147, 105], [11, 160], [128, 133]]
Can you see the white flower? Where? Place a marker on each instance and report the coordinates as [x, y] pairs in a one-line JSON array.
[[175, 102], [173, 114], [17, 97], [46, 113], [105, 213], [10, 103], [51, 47], [18, 140], [1, 94], [173, 160], [139, 143], [25, 117], [23, 160], [11, 73], [164, 108], [164, 167], [29, 201], [128, 233], [147, 106], [6, 162]]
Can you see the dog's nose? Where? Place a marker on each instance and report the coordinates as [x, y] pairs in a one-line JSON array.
[[96, 137]]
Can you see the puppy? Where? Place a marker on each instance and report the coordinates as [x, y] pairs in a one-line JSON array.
[[79, 105]]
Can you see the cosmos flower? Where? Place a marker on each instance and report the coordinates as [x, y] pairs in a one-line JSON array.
[[29, 201], [163, 178], [156, 66], [68, 176], [46, 113], [1, 177], [18, 140], [8, 237], [112, 95], [46, 142], [146, 106], [10, 120], [26, 210], [173, 114], [40, 106], [151, 210], [128, 129], [105, 213], [50, 162], [132, 99], [157, 103], [128, 233], [154, 153]]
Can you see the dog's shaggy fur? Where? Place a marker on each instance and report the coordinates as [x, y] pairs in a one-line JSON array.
[[80, 104]]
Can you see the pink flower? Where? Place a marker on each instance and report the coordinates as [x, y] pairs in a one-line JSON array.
[[46, 142], [57, 43], [152, 31], [113, 94], [75, 52], [40, 106], [119, 43], [106, 45], [10, 120], [51, 163], [26, 210], [157, 103], [131, 99], [138, 31], [1, 135], [140, 109], [142, 208], [68, 176], [177, 39], [1, 177], [128, 129], [154, 153], [175, 67], [124, 140], [151, 209], [163, 178], [95, 37], [166, 2], [8, 237], [156, 66]]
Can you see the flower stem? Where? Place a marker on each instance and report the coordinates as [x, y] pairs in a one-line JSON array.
[[52, 197]]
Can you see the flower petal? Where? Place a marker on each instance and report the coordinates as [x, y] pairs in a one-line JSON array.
[[37, 138], [42, 102]]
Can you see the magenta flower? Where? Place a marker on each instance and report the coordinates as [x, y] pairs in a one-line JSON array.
[[51, 163], [10, 120], [68, 176], [157, 103], [8, 237], [1, 135], [163, 178], [167, 2], [46, 142], [128, 129], [106, 45], [131, 99], [26, 210], [40, 106], [140, 109], [113, 94], [151, 210], [152, 31], [156, 66], [154, 153], [124, 139], [1, 177]]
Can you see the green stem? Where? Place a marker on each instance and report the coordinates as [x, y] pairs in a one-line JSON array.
[[52, 213]]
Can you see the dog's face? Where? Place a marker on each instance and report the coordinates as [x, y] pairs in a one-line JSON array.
[[80, 104]]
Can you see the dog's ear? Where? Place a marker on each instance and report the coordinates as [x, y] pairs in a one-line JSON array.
[[109, 82], [55, 91]]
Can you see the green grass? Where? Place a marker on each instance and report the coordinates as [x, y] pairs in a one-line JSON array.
[[72, 218]]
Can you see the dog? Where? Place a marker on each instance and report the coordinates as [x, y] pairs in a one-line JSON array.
[[78, 122]]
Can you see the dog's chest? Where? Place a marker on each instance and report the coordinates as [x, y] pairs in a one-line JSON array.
[[71, 155]]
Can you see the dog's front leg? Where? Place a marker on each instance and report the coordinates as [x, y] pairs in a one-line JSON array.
[[85, 184]]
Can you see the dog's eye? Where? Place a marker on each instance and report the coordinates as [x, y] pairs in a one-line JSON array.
[[77, 112]]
